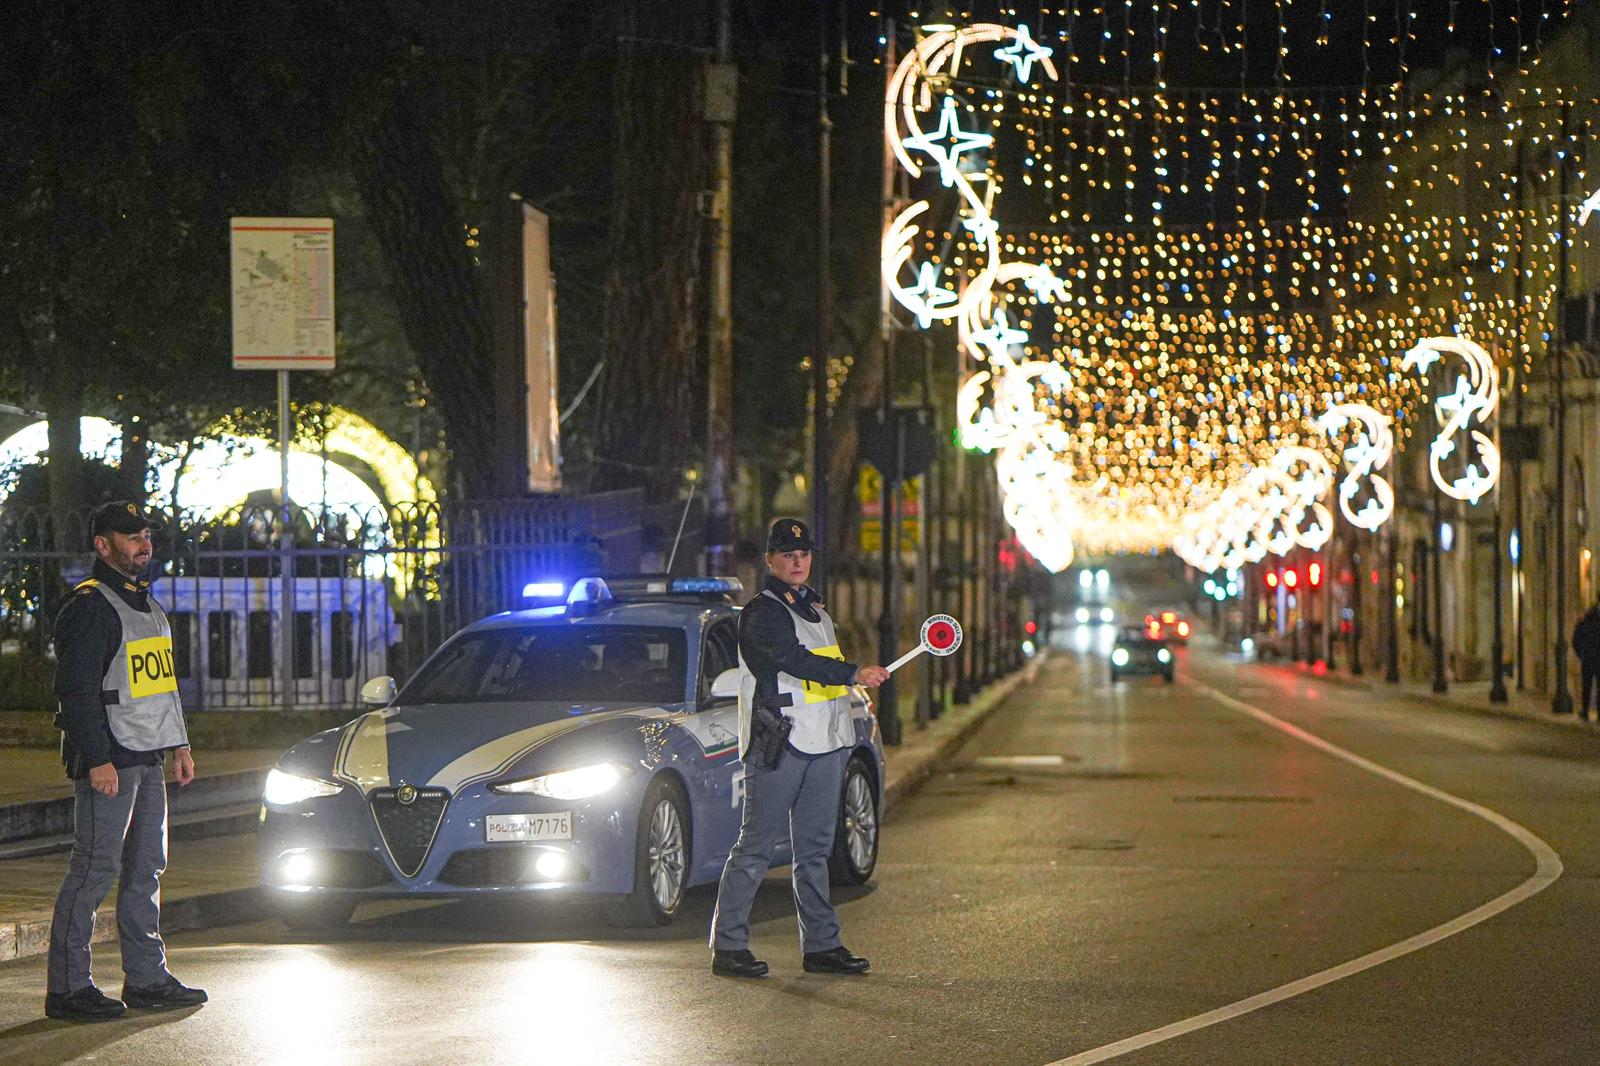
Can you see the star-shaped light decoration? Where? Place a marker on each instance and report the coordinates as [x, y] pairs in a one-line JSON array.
[[1463, 399], [1589, 207], [951, 133], [1422, 357], [1023, 54], [1045, 286], [929, 293], [998, 337], [983, 227]]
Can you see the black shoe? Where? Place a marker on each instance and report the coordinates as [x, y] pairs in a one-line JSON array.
[[169, 995], [87, 1004], [836, 960], [737, 964]]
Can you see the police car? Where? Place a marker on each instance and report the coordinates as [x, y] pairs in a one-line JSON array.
[[588, 746]]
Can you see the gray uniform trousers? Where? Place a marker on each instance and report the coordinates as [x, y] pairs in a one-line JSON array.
[[127, 833], [799, 800]]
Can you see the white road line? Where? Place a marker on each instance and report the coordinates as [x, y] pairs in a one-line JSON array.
[[1019, 760], [1548, 868]]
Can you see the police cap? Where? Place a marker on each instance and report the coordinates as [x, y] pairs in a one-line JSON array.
[[789, 534], [122, 516]]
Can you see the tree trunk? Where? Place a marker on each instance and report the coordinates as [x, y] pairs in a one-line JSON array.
[[441, 297], [653, 377]]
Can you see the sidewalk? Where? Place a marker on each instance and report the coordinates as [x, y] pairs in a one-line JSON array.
[[212, 881], [1472, 696]]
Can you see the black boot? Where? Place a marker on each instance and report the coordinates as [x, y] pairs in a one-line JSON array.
[[737, 964], [835, 960], [171, 994], [87, 1004]]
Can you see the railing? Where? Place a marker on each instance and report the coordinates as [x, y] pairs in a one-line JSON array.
[[370, 593]]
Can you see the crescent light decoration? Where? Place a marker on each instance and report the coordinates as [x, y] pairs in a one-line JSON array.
[[1474, 399]]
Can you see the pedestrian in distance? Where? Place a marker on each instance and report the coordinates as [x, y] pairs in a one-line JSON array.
[[119, 715], [794, 732], [1586, 645]]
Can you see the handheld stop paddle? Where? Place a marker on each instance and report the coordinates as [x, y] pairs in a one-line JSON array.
[[941, 635]]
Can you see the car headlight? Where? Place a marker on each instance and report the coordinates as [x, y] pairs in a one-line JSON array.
[[1106, 615], [1164, 656], [283, 789], [576, 784], [1081, 614], [1120, 657]]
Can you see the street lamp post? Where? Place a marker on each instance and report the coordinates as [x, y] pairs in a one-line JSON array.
[[1437, 595], [1355, 607], [1561, 702], [1497, 648], [1391, 608]]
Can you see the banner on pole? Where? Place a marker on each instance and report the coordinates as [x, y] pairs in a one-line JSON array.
[[282, 272], [869, 493]]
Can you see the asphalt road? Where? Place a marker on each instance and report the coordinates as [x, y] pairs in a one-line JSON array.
[[1097, 863]]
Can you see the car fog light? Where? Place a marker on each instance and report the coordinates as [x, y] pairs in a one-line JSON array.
[[1120, 656], [552, 866], [298, 868]]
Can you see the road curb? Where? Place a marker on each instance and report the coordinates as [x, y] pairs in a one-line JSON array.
[[53, 817], [30, 937], [916, 767]]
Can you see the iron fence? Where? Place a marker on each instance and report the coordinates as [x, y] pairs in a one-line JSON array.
[[366, 593]]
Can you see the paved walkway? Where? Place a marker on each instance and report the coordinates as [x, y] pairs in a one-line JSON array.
[[212, 881]]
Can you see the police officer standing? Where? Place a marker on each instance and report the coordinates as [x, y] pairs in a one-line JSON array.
[[794, 735], [119, 715]]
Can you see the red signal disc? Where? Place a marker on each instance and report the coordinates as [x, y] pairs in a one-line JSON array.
[[941, 634]]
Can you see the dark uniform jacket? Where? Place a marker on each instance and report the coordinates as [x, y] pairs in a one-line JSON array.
[[1586, 638], [768, 643], [87, 636]]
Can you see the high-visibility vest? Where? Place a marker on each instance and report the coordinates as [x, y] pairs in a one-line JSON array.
[[821, 713], [147, 714]]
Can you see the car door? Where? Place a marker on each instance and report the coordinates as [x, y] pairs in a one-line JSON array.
[[715, 724]]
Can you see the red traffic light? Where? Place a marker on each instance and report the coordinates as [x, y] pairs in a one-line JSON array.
[[1272, 579], [1030, 627], [1314, 574], [1291, 578]]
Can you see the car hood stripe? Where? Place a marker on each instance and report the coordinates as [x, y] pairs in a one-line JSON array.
[[363, 756], [499, 755]]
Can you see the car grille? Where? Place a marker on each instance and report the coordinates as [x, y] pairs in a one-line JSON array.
[[408, 829], [348, 869], [495, 867]]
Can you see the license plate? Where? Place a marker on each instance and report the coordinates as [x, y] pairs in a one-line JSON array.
[[556, 826]]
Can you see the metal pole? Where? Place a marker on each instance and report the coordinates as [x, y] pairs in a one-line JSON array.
[[888, 708], [1357, 578], [1561, 703], [1497, 648], [1437, 596], [719, 398], [1517, 608], [285, 550], [819, 357], [1391, 607]]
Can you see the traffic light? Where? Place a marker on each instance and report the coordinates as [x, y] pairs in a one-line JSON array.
[[1314, 574], [1291, 578], [1272, 579], [1030, 627]]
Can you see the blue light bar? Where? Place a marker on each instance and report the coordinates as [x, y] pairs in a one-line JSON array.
[[544, 590], [730, 586]]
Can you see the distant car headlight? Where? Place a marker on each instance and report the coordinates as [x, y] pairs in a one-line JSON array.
[[1081, 614], [1106, 615], [1120, 657], [1163, 656], [576, 784], [1247, 645], [283, 789]]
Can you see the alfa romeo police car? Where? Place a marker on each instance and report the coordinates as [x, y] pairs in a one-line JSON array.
[[589, 746]]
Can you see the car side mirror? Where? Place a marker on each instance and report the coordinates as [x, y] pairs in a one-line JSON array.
[[379, 692], [726, 686]]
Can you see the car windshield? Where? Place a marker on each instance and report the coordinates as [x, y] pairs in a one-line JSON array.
[[1136, 635], [568, 664]]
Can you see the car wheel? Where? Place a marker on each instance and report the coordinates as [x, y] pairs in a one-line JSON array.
[[855, 840], [315, 915], [661, 856]]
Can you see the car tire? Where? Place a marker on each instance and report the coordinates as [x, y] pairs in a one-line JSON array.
[[661, 857], [315, 915], [855, 839]]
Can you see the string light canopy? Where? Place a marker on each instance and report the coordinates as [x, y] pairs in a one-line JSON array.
[[1159, 284]]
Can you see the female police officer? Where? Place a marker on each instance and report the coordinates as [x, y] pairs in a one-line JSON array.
[[794, 732]]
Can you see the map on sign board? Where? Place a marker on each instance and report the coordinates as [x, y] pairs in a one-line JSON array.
[[282, 293]]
